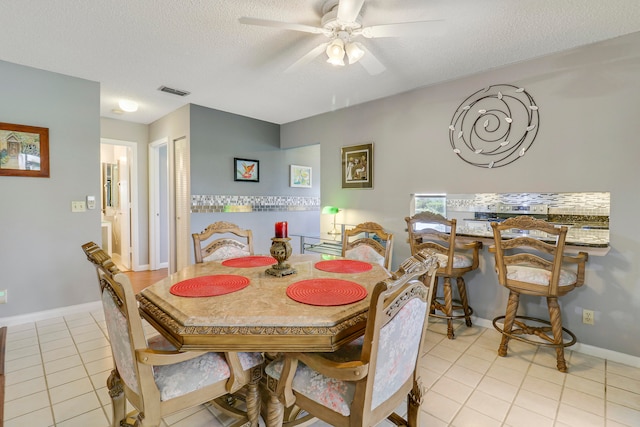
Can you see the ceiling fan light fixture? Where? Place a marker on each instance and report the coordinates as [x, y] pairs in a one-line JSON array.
[[354, 52], [335, 52]]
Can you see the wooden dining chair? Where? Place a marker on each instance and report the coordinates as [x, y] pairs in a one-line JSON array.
[[433, 231], [368, 242], [156, 379], [365, 385], [222, 240], [527, 265]]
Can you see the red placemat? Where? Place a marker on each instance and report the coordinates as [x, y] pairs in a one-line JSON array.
[[209, 286], [326, 292], [249, 261], [343, 266]]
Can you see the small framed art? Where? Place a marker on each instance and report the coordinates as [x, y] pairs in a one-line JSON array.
[[300, 176], [246, 170], [357, 166], [24, 151]]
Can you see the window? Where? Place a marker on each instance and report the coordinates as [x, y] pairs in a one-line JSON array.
[[436, 203]]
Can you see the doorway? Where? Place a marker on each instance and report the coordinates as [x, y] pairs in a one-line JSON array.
[[119, 177]]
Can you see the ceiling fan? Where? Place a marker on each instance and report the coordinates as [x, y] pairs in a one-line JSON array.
[[342, 24]]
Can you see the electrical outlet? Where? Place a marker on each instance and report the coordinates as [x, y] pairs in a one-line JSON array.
[[588, 317]]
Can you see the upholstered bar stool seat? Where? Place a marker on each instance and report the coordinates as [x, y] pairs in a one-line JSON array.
[[433, 231], [537, 267]]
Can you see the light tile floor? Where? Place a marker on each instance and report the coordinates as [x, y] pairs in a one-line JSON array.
[[56, 371]]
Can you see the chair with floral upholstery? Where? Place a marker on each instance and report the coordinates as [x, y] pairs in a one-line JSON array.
[[365, 384], [227, 241], [433, 231], [530, 260], [368, 242], [156, 379]]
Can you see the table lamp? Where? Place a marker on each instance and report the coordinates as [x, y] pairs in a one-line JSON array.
[[334, 211]]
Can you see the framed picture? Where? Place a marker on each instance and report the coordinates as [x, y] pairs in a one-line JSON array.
[[246, 170], [24, 151], [300, 176], [357, 166]]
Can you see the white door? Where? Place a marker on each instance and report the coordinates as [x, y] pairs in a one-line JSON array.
[[123, 219], [158, 205], [183, 202]]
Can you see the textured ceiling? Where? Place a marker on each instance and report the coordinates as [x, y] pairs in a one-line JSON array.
[[132, 47]]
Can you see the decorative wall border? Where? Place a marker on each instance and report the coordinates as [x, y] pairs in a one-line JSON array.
[[230, 203]]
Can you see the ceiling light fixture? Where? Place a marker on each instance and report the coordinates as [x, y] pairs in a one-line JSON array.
[[128, 106], [355, 51], [335, 52]]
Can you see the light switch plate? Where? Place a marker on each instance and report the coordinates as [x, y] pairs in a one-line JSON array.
[[78, 206]]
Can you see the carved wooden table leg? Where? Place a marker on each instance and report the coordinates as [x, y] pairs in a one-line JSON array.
[[253, 403], [275, 411]]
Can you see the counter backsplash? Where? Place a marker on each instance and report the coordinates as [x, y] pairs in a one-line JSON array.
[[591, 205]]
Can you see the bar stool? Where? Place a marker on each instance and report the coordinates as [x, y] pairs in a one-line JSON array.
[[528, 265], [433, 231]]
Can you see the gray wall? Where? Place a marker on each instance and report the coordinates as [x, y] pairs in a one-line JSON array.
[[41, 261], [587, 142], [216, 138]]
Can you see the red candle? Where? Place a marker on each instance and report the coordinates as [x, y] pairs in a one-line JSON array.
[[282, 229]]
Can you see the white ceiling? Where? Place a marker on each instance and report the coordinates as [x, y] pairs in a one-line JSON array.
[[132, 47]]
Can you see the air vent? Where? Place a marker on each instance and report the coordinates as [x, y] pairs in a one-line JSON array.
[[173, 91]]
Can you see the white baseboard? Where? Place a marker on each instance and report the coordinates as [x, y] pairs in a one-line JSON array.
[[589, 350], [49, 314]]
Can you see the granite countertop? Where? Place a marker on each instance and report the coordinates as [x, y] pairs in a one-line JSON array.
[[577, 236]]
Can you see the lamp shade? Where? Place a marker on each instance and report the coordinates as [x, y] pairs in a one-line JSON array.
[[335, 52], [354, 52], [330, 210]]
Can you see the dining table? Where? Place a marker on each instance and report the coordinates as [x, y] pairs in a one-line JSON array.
[[234, 305]]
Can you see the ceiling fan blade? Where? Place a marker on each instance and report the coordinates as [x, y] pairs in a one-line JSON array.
[[348, 10], [282, 25], [308, 57], [415, 29], [371, 63]]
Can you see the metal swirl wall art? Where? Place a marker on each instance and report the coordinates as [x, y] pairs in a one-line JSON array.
[[494, 126]]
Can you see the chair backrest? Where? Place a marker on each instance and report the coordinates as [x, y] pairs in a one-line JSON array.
[[393, 340], [368, 242], [530, 258], [237, 242], [429, 230], [124, 327]]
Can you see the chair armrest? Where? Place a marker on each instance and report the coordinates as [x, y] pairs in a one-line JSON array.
[[161, 357], [475, 245], [581, 260], [345, 371]]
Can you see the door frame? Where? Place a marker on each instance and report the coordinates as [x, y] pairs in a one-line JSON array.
[[133, 196], [154, 204]]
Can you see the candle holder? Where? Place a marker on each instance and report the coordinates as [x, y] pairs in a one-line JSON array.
[[281, 251]]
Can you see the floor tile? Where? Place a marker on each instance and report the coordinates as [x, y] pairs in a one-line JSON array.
[[75, 406], [469, 417], [583, 401], [521, 417], [467, 384]]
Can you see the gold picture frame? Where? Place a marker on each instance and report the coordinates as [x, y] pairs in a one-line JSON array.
[[24, 151], [357, 166]]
